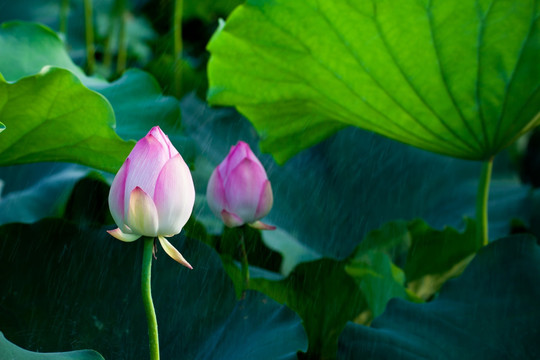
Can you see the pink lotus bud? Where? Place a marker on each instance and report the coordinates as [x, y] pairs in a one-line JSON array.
[[238, 191], [152, 194]]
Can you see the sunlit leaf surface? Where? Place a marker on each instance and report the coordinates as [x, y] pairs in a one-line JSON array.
[[51, 116], [460, 78]]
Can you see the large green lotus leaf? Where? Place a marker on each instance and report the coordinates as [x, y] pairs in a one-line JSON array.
[[136, 97], [51, 116], [490, 312], [83, 289], [459, 78], [329, 197], [27, 47], [12, 351]]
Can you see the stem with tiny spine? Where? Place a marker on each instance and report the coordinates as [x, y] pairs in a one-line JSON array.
[[146, 288], [89, 30], [244, 260]]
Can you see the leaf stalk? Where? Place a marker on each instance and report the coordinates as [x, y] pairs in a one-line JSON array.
[[178, 46], [482, 203]]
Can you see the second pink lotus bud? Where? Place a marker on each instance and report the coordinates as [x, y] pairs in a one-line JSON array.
[[239, 191]]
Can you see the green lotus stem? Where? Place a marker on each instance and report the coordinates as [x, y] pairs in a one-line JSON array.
[[64, 10], [244, 260], [114, 20], [107, 51], [482, 203], [146, 287], [89, 29], [122, 43], [177, 26]]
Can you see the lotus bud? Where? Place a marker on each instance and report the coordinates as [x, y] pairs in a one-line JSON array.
[[239, 191], [152, 194]]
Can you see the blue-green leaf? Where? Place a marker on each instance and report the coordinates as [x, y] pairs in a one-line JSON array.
[[10, 351], [490, 312]]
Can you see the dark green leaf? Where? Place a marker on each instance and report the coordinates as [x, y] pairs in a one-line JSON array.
[[302, 70], [257, 328], [85, 285], [490, 312], [321, 292], [88, 203], [436, 252]]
